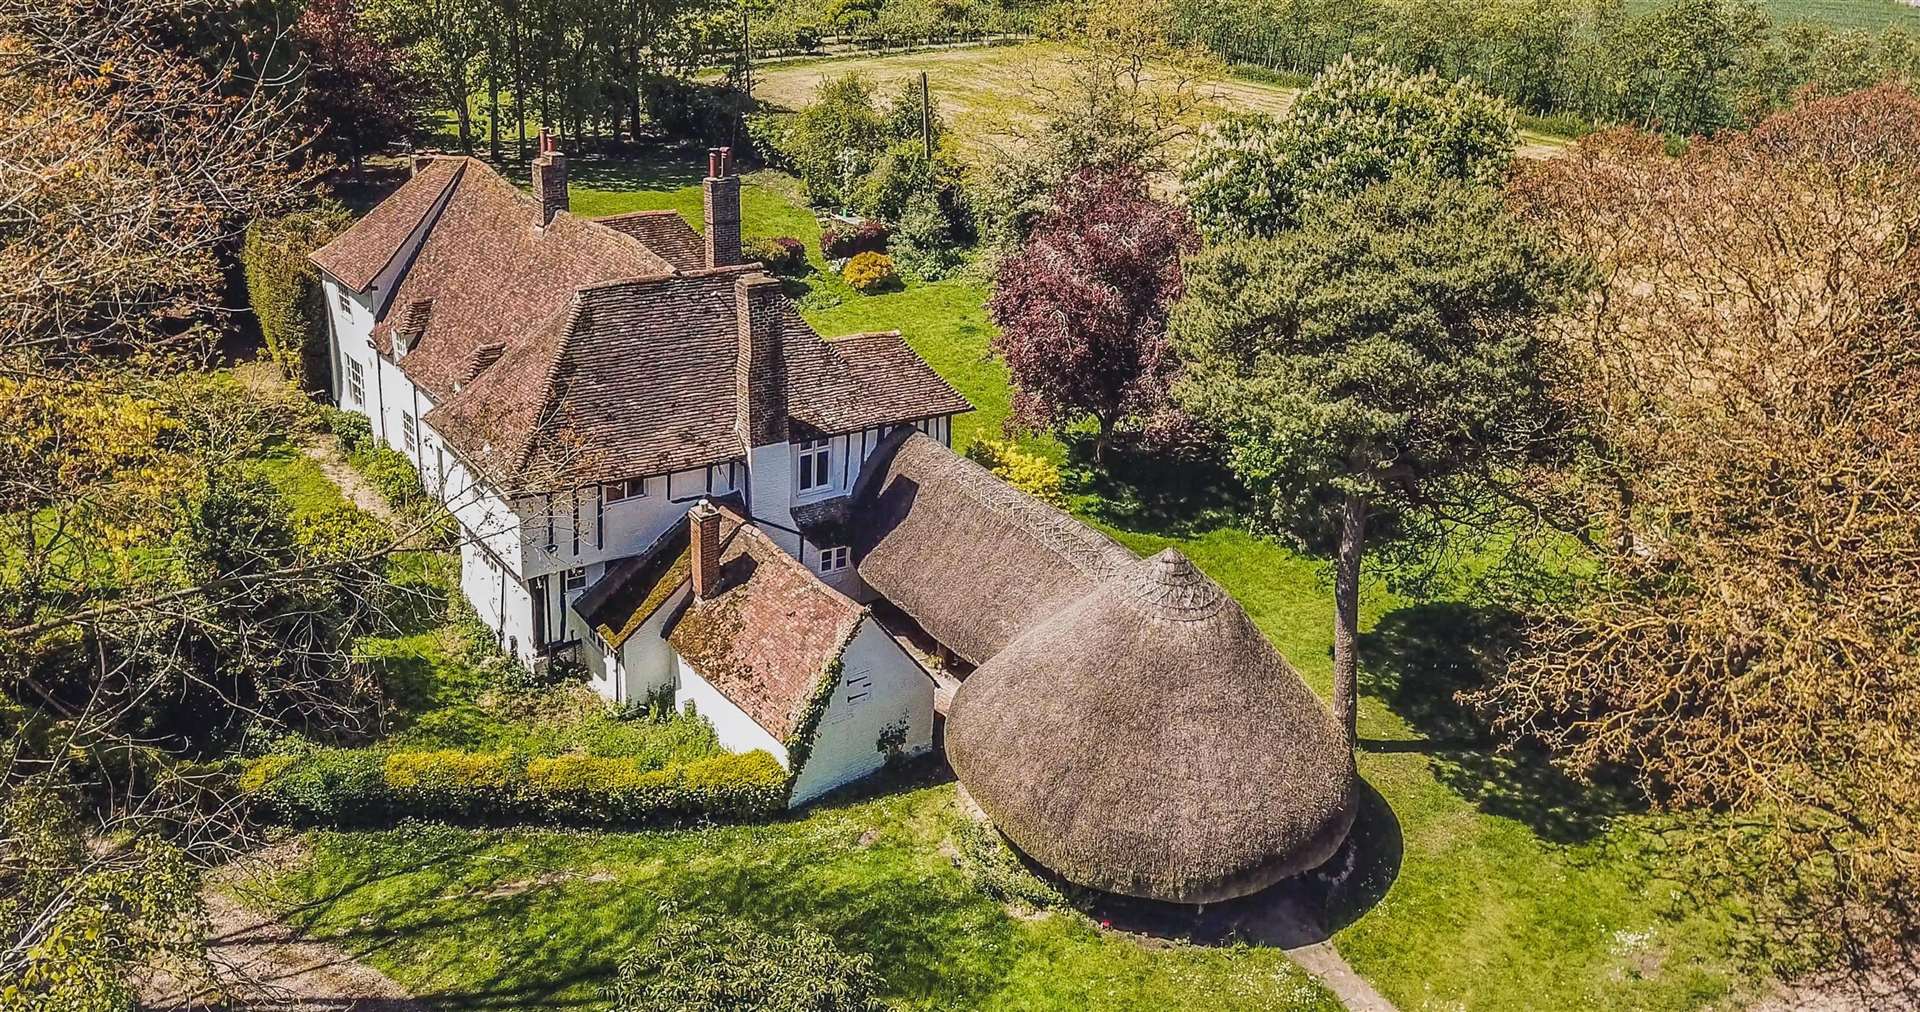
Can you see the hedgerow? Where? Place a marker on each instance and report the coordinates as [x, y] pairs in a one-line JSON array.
[[283, 288], [330, 787]]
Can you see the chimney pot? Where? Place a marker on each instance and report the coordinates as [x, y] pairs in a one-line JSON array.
[[550, 179], [703, 522], [722, 198]]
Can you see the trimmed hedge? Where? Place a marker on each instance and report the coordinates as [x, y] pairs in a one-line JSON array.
[[329, 787], [839, 242], [781, 254]]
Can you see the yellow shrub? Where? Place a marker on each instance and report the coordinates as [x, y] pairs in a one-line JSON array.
[[448, 768], [1029, 472], [263, 770], [592, 773], [870, 272]]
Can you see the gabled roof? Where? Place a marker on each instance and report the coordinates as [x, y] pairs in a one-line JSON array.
[[637, 377], [594, 349], [363, 251], [665, 233], [765, 638]]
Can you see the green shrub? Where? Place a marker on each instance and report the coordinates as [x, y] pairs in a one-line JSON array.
[[924, 244], [340, 534], [283, 289], [996, 870], [348, 786], [1029, 472], [351, 428], [704, 964], [391, 474], [832, 142], [782, 254], [871, 272]]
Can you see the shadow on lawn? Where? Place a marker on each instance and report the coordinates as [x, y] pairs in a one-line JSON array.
[[1302, 910], [1415, 660], [1149, 491], [663, 169]]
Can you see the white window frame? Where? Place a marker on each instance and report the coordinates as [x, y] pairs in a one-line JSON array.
[[409, 432], [343, 300], [574, 579], [811, 455], [357, 381], [621, 491], [835, 558]]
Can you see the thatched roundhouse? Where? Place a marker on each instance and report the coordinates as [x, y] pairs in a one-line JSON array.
[[1128, 726]]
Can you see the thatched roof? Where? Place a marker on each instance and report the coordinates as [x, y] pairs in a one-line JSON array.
[[972, 560], [1148, 740]]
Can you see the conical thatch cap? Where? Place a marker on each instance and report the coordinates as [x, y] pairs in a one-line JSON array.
[[1149, 741]]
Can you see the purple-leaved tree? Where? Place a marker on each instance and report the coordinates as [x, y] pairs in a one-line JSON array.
[[1082, 306]]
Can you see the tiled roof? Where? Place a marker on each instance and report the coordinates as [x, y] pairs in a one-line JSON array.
[[637, 377], [493, 275], [359, 254], [665, 233], [765, 638], [578, 351]]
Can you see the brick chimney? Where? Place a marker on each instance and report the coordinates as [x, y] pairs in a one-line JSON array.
[[723, 209], [550, 178], [703, 531], [760, 370]]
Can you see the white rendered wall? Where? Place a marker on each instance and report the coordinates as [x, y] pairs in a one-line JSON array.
[[769, 491], [737, 731], [895, 689], [611, 530]]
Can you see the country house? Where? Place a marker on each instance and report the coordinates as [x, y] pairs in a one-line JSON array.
[[662, 471]]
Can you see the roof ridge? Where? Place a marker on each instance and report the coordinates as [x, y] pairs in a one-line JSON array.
[[1059, 532], [857, 335]]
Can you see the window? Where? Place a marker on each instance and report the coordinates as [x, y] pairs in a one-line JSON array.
[[833, 560], [345, 303], [356, 381], [816, 461], [632, 488], [577, 578], [408, 434]]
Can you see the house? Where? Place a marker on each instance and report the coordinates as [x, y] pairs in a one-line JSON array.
[[662, 472], [571, 387]]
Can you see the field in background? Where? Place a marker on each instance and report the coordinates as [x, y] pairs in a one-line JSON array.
[[1871, 15], [986, 93]]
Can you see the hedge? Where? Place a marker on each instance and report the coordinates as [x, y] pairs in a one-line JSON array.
[[334, 787], [283, 289]]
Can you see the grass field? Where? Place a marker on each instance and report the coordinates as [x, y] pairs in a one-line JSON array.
[[1481, 880], [987, 93], [1869, 15]]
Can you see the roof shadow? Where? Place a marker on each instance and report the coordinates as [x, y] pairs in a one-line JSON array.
[[1416, 660], [1301, 910]]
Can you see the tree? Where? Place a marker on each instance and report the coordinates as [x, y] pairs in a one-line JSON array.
[[834, 142], [708, 964], [1745, 372], [1082, 307], [1361, 122], [446, 42], [1374, 372], [359, 93]]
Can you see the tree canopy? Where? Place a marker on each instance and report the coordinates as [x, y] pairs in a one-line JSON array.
[[1360, 122], [1370, 372]]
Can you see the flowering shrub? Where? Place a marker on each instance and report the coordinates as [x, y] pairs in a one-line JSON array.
[[871, 272], [1029, 472], [782, 254]]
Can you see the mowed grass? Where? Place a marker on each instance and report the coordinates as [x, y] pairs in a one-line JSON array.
[[1480, 880], [538, 919], [1865, 15]]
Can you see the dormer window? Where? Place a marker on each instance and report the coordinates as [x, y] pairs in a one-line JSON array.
[[815, 464]]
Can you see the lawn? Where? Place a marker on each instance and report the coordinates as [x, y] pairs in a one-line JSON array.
[[1479, 880]]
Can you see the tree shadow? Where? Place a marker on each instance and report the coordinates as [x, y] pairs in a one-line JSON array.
[[654, 169], [1416, 659], [1170, 493], [1301, 910]]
